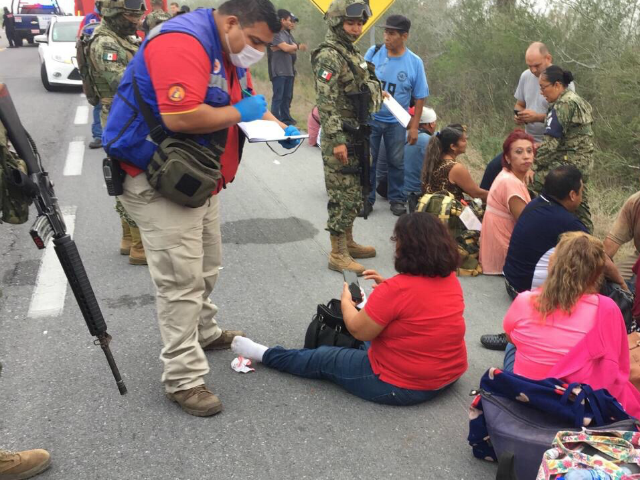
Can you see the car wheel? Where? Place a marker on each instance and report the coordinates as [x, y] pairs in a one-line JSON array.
[[30, 40], [45, 80]]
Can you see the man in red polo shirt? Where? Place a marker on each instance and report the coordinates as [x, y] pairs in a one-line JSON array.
[[195, 69]]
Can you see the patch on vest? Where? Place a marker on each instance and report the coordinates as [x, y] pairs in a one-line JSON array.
[[110, 56], [216, 66], [325, 74], [176, 93]]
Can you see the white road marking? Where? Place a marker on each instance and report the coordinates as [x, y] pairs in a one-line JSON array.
[[82, 115], [276, 162], [75, 157], [82, 95], [51, 284]]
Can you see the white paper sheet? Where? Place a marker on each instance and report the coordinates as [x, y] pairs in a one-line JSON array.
[[470, 220], [397, 111], [266, 131]]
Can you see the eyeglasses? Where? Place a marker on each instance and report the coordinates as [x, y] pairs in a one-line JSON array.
[[544, 87]]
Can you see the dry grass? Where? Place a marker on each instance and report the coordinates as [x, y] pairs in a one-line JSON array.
[[304, 97]]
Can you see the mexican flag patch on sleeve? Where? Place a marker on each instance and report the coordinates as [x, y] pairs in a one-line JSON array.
[[110, 56], [325, 74]]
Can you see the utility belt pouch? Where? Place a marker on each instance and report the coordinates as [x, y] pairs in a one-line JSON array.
[[181, 169], [184, 171], [113, 176]]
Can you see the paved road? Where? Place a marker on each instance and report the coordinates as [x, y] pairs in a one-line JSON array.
[[56, 391]]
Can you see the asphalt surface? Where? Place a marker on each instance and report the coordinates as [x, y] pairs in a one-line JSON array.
[[56, 391]]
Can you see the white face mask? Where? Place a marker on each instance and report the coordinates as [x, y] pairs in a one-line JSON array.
[[247, 56]]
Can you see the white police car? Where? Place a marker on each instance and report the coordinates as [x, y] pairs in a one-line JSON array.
[[57, 48]]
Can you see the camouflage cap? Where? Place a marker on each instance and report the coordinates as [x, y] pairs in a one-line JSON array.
[[111, 8], [340, 10]]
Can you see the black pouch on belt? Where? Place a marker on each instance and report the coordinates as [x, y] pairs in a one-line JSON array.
[[181, 169]]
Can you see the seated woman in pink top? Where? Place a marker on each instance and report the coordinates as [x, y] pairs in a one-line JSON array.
[[507, 198], [544, 324], [566, 330]]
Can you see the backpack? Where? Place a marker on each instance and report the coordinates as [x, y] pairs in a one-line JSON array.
[[445, 206], [83, 43]]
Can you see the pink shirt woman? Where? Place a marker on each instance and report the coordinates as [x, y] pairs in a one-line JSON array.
[[507, 198]]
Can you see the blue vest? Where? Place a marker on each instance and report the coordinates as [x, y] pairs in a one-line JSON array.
[[126, 135]]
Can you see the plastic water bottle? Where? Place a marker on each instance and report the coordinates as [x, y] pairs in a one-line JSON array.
[[581, 474]]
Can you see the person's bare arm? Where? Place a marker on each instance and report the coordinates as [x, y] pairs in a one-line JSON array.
[[612, 273], [516, 206], [272, 117], [204, 119], [415, 122], [460, 176], [359, 324], [610, 247]]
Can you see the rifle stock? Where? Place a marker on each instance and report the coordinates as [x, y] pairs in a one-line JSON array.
[[50, 224]]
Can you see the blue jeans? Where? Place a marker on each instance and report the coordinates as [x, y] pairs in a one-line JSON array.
[[395, 136], [96, 129], [346, 367], [282, 96], [509, 357]]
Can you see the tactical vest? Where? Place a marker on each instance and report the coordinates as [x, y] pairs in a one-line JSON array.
[[364, 75], [104, 90], [126, 135], [83, 44]]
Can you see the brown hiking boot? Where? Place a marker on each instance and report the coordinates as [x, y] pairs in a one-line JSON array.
[[136, 254], [340, 259], [20, 465], [356, 250], [198, 401], [223, 342], [125, 243]]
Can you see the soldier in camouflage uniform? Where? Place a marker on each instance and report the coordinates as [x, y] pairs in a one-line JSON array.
[[111, 48], [568, 137], [156, 17], [340, 69]]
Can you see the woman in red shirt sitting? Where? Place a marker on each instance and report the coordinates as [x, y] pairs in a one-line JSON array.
[[412, 324]]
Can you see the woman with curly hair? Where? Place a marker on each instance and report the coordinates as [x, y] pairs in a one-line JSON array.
[[412, 324], [566, 330]]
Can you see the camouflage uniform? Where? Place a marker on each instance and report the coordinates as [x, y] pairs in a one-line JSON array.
[[111, 49], [334, 79], [573, 146], [154, 19]]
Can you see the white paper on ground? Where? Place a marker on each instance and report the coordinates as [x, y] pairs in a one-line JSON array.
[[470, 220], [242, 365], [397, 111], [266, 131]]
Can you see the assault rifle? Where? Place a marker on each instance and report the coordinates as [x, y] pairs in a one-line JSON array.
[[360, 147], [50, 225]]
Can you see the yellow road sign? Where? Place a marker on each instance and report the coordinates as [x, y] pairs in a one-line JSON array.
[[378, 7]]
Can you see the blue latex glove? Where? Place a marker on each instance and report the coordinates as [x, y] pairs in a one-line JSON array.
[[290, 131], [252, 108]]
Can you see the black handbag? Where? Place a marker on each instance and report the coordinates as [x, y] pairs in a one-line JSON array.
[[327, 328], [624, 300]]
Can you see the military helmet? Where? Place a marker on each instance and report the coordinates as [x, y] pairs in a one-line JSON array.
[[111, 8], [341, 10]]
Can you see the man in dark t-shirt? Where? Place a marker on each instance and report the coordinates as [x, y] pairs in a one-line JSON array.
[[282, 70]]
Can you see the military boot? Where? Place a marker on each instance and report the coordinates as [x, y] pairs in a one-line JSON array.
[[339, 258], [20, 465], [356, 250], [197, 401], [125, 243], [136, 255]]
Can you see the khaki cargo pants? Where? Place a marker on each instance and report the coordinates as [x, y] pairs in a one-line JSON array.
[[184, 250]]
